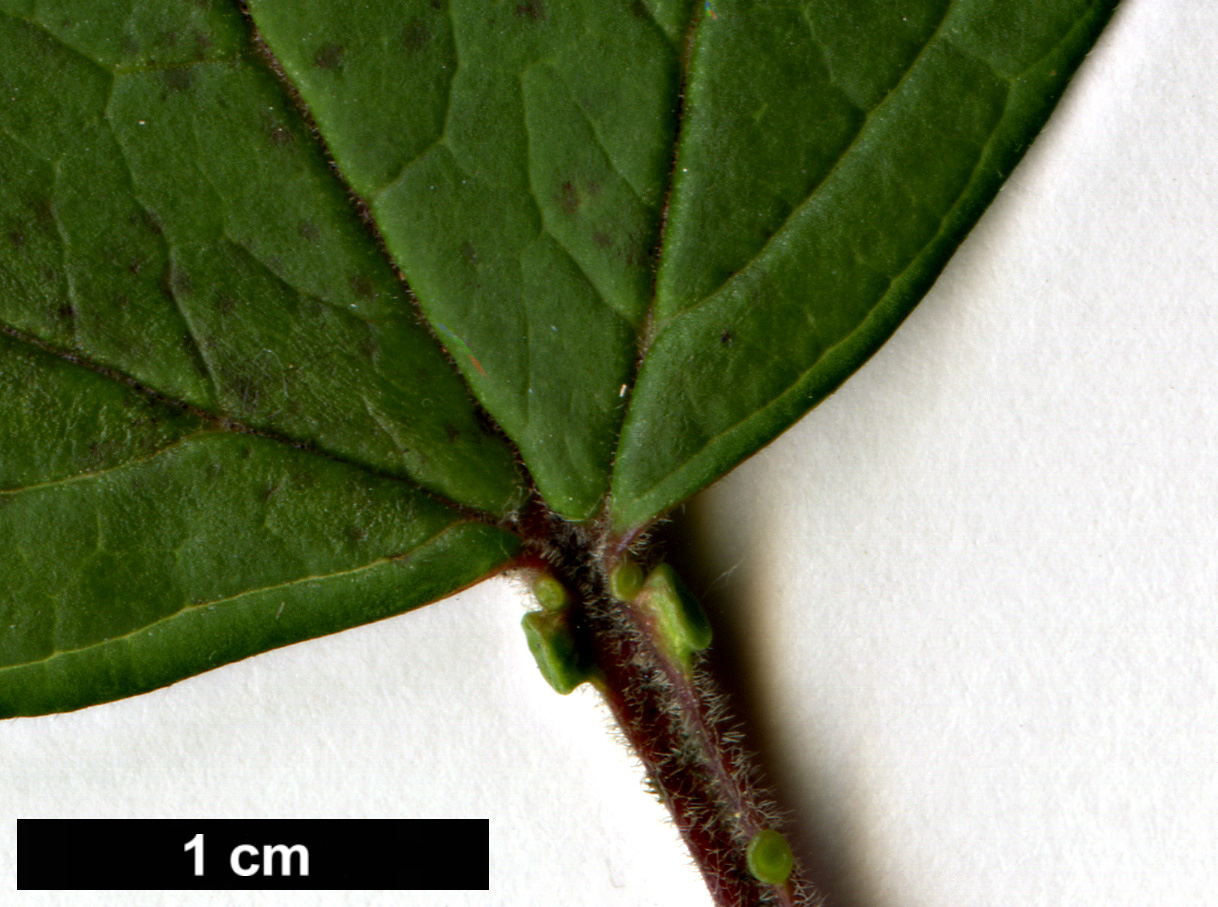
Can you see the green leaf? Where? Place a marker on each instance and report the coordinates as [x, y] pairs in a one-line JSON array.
[[832, 157], [170, 217], [515, 158], [141, 544], [226, 425], [221, 418]]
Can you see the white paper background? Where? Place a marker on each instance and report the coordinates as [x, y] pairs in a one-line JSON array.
[[970, 600]]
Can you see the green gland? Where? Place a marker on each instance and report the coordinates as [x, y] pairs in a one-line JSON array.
[[550, 593], [553, 646], [680, 622], [625, 581], [769, 857]]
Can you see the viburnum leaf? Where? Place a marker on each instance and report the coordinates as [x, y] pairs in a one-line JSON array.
[[314, 312]]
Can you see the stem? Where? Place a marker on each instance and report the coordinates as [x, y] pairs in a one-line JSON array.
[[677, 724]]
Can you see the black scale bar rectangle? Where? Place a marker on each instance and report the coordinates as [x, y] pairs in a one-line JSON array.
[[303, 854]]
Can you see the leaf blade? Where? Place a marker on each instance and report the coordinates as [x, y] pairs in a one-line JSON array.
[[525, 213], [215, 389], [780, 338], [171, 546], [172, 219], [521, 192], [199, 639]]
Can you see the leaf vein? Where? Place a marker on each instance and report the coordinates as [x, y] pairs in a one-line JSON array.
[[648, 327], [73, 309], [650, 16], [196, 350], [448, 106], [195, 606], [599, 140], [57, 39], [98, 473], [813, 192], [793, 384], [544, 228], [224, 423]]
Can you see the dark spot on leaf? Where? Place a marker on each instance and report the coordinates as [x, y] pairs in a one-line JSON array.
[[202, 42], [468, 253], [415, 35], [245, 392], [437, 4], [152, 221], [305, 479], [128, 46], [187, 343], [66, 312], [639, 9], [329, 56], [226, 304], [167, 39], [451, 432], [361, 286], [370, 346], [268, 491], [601, 239], [533, 9], [179, 78], [100, 451], [44, 214], [356, 534], [726, 338], [637, 253], [176, 282], [50, 275], [568, 198], [246, 452], [309, 231], [276, 132], [121, 301], [16, 238], [135, 265]]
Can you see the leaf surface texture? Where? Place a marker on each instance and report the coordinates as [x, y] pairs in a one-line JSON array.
[[300, 301]]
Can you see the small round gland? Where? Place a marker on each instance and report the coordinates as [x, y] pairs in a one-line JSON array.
[[626, 581], [769, 857], [550, 593]]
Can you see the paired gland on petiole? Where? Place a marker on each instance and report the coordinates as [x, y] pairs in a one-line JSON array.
[[676, 621], [550, 639], [666, 612]]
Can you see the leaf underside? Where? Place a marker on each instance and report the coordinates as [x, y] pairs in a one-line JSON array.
[[299, 303]]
